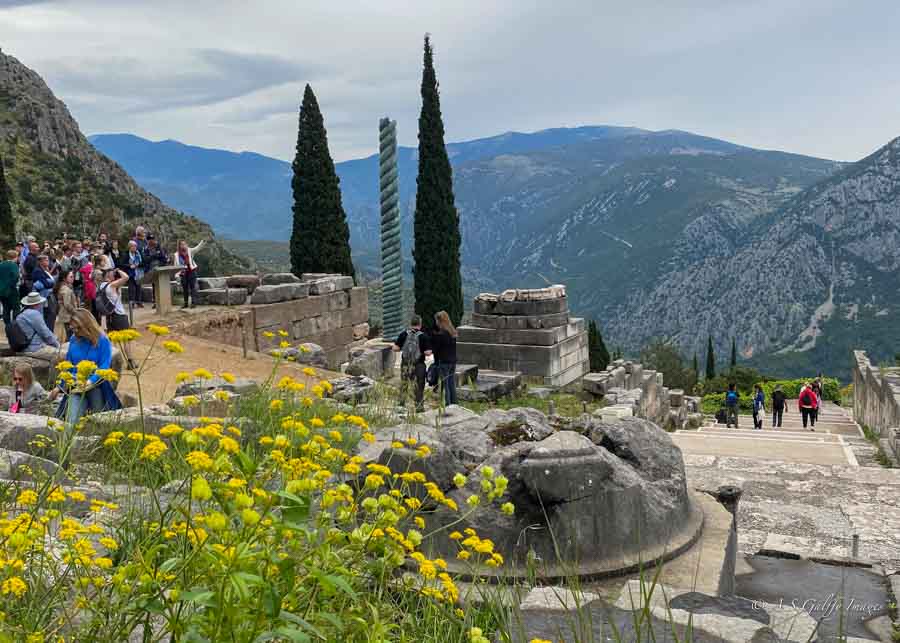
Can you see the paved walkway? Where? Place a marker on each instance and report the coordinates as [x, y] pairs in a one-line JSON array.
[[804, 492]]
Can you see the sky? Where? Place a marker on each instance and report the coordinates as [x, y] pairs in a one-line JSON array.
[[817, 77]]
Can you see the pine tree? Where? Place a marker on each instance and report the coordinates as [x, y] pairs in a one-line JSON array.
[[320, 241], [438, 284], [710, 360], [733, 354], [7, 222], [597, 353]]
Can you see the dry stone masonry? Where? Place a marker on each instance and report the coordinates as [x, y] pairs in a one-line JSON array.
[[876, 399], [526, 331]]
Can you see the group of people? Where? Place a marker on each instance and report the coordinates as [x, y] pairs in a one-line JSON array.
[[62, 291], [808, 403], [417, 348]]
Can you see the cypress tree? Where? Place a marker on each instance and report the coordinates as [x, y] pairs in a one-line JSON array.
[[7, 222], [320, 241], [710, 360], [733, 354], [597, 353], [695, 367], [438, 284]]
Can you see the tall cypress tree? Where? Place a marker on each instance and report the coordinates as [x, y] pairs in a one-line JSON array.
[[438, 284], [7, 222], [597, 353], [320, 241], [710, 360], [695, 367], [733, 354]]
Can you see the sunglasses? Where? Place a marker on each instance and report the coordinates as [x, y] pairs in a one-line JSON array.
[[17, 379]]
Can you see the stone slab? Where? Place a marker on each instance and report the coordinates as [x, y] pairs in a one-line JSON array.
[[284, 314], [490, 386], [276, 293], [527, 322], [210, 283], [465, 373], [762, 448], [543, 307], [532, 337], [250, 282], [276, 278], [330, 284], [222, 296]]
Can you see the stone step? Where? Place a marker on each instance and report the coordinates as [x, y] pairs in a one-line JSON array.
[[807, 436]]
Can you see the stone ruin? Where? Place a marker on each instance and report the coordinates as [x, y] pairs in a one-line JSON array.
[[630, 390], [526, 331], [592, 497]]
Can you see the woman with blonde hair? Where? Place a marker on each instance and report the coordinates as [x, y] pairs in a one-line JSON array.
[[28, 392], [88, 343], [443, 346]]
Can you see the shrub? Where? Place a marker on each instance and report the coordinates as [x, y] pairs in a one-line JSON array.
[[271, 531]]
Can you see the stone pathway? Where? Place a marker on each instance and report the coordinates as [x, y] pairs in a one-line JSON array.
[[804, 492]]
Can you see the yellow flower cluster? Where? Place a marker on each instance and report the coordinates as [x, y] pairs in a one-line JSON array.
[[123, 336]]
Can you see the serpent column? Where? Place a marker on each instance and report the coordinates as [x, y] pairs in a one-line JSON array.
[[391, 263]]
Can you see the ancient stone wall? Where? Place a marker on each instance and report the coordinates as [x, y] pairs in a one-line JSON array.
[[327, 310], [876, 395]]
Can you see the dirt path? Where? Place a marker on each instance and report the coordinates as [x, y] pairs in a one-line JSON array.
[[158, 374]]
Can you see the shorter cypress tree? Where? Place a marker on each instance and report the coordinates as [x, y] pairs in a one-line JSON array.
[[597, 353], [7, 222], [710, 360]]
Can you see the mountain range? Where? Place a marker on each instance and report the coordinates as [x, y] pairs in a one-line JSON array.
[[60, 183]]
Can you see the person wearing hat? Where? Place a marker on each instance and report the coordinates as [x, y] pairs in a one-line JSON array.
[[31, 321]]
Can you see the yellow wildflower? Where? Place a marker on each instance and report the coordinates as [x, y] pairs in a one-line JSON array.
[[309, 371], [172, 346], [182, 376], [203, 374], [228, 377], [199, 460], [27, 497], [200, 489], [229, 445], [15, 586], [158, 330], [170, 430]]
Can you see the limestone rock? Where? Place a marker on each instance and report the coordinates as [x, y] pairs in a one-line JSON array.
[[306, 353], [556, 599], [330, 284], [373, 361], [15, 465], [276, 278], [212, 283], [446, 417], [272, 294], [248, 282], [222, 296], [196, 387], [469, 441], [352, 389], [517, 424]]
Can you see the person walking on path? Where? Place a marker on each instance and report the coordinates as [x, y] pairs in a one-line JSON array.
[[413, 346], [731, 406], [443, 345], [67, 302], [31, 322], [817, 389], [759, 407], [806, 402], [88, 343], [9, 286], [779, 404], [185, 259]]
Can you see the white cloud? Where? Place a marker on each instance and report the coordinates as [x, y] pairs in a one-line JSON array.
[[811, 76]]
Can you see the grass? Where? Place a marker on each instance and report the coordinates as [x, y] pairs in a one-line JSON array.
[[880, 456], [565, 404]]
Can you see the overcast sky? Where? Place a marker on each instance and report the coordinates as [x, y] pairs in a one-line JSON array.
[[819, 77]]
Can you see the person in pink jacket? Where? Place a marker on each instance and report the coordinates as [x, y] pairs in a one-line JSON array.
[[808, 402]]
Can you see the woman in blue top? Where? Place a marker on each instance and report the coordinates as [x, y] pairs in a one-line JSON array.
[[87, 343], [759, 407]]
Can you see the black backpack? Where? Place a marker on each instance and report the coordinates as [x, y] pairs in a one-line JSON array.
[[104, 305], [16, 337]]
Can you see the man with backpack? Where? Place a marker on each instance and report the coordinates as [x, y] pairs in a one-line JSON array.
[[731, 406], [413, 346], [779, 405], [28, 333], [808, 403]]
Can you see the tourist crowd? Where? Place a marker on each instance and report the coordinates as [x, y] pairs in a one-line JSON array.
[[809, 401], [64, 291]]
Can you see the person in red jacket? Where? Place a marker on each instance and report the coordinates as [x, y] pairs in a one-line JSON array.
[[808, 403], [90, 287]]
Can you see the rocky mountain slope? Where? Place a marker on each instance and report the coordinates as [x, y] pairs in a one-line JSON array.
[[804, 284], [61, 183]]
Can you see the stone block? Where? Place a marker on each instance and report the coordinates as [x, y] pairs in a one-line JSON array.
[[372, 361], [490, 386], [595, 383], [484, 306], [558, 599], [250, 282], [527, 322], [339, 300], [359, 305], [210, 283], [614, 412], [280, 292], [633, 380], [330, 284], [209, 406], [147, 293], [240, 385], [284, 314], [315, 276], [222, 296], [531, 337], [277, 278], [676, 397], [306, 353], [465, 373], [447, 416], [352, 389]]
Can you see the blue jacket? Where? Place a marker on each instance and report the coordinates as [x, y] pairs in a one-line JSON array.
[[81, 349], [31, 321], [759, 402]]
